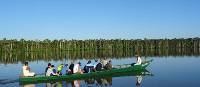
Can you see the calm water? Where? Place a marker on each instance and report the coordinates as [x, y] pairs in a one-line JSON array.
[[179, 71]]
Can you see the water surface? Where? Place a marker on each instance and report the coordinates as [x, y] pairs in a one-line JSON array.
[[173, 71]]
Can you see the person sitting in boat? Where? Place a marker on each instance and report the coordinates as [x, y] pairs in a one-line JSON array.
[[88, 67], [99, 67], [59, 69], [71, 67], [139, 60], [104, 62], [51, 71], [26, 70], [77, 68], [108, 66], [65, 70], [49, 66]]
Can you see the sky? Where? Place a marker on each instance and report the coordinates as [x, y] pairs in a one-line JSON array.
[[95, 19]]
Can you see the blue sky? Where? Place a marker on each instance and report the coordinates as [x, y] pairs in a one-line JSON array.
[[94, 19]]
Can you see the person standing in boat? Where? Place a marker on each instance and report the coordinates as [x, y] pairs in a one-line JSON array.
[[26, 70], [138, 61]]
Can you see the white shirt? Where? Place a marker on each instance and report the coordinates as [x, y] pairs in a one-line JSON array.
[[139, 61], [76, 67], [26, 71], [49, 70], [89, 64], [104, 62]]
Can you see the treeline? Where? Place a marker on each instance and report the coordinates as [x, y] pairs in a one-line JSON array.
[[99, 44], [23, 50]]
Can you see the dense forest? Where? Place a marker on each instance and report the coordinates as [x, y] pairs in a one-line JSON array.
[[58, 49]]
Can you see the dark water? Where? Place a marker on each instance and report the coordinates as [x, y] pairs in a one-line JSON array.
[[170, 71]]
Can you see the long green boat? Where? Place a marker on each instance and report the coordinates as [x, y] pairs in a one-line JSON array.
[[121, 70]]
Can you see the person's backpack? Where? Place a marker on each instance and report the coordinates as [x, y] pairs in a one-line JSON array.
[[99, 67]]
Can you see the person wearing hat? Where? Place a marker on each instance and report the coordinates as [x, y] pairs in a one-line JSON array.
[[77, 68]]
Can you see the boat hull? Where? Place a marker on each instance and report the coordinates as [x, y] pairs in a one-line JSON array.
[[132, 70]]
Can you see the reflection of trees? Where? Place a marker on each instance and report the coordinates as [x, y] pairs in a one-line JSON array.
[[73, 55], [13, 50]]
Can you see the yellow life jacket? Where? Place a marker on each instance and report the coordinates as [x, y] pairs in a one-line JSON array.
[[60, 67]]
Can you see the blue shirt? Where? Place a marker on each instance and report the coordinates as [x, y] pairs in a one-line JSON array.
[[64, 70]]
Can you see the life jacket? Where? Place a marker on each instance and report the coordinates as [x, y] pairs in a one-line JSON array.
[[60, 67]]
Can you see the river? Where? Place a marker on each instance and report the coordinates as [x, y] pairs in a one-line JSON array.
[[167, 71]]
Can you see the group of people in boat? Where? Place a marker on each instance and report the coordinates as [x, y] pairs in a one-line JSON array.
[[65, 69]]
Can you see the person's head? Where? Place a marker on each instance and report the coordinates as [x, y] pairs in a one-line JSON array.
[[89, 62], [26, 63], [52, 66], [136, 56], [49, 64], [62, 65], [79, 63], [66, 64]]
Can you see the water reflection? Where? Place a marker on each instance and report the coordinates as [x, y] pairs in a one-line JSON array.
[[138, 80], [29, 85], [48, 55], [99, 82]]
